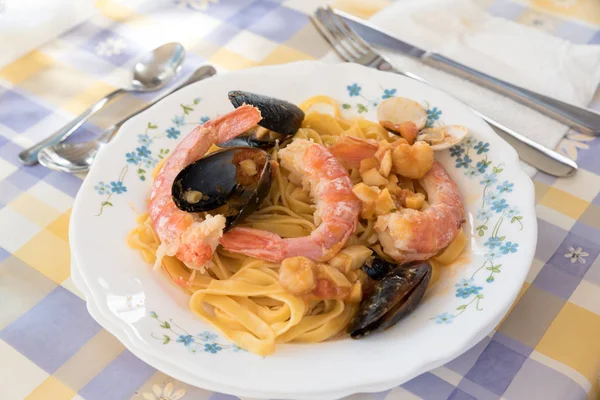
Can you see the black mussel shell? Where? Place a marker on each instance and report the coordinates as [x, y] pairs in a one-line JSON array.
[[277, 115], [376, 267], [392, 298], [220, 181], [248, 139]]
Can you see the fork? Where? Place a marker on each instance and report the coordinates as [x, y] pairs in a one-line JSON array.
[[352, 48]]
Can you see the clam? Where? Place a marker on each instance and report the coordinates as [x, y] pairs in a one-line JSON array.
[[443, 137], [393, 297], [280, 119], [232, 182], [403, 116]]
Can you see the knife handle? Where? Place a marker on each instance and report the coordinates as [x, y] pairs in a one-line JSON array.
[[581, 119]]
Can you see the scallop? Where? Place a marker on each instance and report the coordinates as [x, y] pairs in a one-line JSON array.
[[403, 116]]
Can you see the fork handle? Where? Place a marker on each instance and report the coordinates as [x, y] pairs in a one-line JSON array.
[[542, 158], [579, 118]]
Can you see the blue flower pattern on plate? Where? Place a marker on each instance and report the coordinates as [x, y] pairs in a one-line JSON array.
[[488, 179], [387, 93], [132, 158], [212, 348], [102, 188], [499, 205], [444, 318], [509, 247], [482, 166], [207, 336], [178, 120], [494, 211], [117, 187], [456, 151], [463, 162], [353, 90], [204, 342], [143, 152], [482, 147], [506, 187], [484, 213], [434, 113], [173, 133], [185, 339], [144, 139], [472, 172], [493, 242]]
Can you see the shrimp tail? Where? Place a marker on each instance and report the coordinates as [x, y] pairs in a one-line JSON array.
[[255, 243], [231, 125], [351, 150]]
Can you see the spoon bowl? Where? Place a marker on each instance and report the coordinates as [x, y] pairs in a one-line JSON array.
[[158, 67]]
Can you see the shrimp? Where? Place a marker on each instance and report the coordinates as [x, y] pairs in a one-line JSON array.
[[315, 168], [408, 235], [409, 161], [188, 236]]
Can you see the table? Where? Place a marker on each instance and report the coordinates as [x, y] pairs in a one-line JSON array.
[[548, 347]]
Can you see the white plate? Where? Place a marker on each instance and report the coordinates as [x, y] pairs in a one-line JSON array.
[[133, 302]]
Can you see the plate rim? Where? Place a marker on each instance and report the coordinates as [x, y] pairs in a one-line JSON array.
[[461, 345]]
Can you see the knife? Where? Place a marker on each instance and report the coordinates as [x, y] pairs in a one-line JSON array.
[[581, 119]]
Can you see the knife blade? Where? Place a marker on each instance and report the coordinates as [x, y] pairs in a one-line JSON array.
[[579, 118], [378, 36]]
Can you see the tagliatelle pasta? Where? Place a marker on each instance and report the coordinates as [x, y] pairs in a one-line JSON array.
[[242, 296]]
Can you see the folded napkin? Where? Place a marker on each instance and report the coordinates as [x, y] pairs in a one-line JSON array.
[[27, 24], [465, 32]]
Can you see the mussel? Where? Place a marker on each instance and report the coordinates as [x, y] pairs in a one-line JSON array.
[[236, 179], [397, 291], [251, 139], [377, 268], [278, 116]]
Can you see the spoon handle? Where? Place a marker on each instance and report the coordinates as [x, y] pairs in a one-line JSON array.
[[30, 155], [201, 73]]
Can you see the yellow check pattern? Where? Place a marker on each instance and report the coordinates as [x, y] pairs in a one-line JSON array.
[[547, 347]]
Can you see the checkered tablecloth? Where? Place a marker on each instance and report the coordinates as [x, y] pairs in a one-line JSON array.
[[548, 347]]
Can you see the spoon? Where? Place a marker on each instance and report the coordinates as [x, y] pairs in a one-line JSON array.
[[152, 72], [78, 157]]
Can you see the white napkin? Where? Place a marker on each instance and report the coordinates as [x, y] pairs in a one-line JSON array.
[[464, 32], [27, 24]]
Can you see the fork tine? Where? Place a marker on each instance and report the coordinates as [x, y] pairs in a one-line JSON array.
[[326, 34], [344, 31], [334, 30], [349, 32]]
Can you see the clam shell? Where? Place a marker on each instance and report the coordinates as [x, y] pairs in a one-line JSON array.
[[443, 137], [397, 110]]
